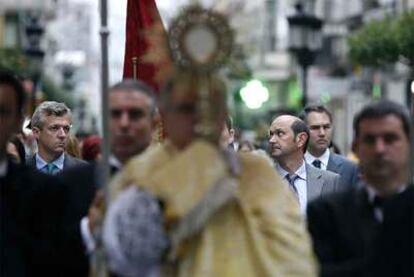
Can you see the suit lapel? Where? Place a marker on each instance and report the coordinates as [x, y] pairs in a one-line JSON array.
[[67, 162], [332, 163], [32, 161], [314, 182]]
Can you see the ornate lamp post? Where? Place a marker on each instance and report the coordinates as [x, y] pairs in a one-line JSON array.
[[34, 33], [305, 40]]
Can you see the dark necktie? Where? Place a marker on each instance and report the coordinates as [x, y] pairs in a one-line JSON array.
[[378, 202], [291, 178], [316, 163]]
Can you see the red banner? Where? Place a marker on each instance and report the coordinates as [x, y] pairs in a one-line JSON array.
[[144, 30]]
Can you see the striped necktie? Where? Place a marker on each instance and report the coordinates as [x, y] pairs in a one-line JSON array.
[[291, 178]]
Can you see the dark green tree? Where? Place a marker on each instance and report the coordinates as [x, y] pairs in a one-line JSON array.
[[14, 60], [384, 42], [55, 93], [404, 36]]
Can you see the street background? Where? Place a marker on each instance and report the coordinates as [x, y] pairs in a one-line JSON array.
[[347, 71]]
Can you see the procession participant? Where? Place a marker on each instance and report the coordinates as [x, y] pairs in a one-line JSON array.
[[344, 226], [217, 214]]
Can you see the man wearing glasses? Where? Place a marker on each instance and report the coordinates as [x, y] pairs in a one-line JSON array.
[[51, 124]]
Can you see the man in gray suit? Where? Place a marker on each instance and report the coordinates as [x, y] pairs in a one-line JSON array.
[[319, 121], [289, 137], [51, 123]]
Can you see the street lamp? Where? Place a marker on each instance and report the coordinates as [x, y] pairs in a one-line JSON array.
[[34, 32], [305, 40]]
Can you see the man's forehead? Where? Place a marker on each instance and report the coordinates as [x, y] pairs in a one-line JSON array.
[[273, 126], [380, 125], [53, 119], [284, 121], [131, 98], [318, 118], [128, 94]]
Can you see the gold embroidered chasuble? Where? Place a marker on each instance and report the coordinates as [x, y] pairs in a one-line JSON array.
[[260, 232]]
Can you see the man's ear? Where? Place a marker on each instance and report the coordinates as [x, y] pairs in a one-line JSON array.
[[301, 139], [156, 118], [36, 132]]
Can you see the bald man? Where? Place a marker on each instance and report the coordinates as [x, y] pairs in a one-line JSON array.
[[288, 139]]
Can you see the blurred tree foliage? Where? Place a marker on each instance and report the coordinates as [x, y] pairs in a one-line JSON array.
[[14, 60], [52, 92], [383, 42], [405, 36]]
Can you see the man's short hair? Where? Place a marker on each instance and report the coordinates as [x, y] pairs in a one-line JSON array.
[[381, 109], [314, 108], [299, 126], [131, 85], [48, 108], [9, 79]]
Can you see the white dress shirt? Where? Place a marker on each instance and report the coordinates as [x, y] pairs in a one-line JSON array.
[[309, 158], [300, 184], [87, 236], [114, 162], [41, 164]]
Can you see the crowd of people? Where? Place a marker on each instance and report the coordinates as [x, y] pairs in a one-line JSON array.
[[195, 204]]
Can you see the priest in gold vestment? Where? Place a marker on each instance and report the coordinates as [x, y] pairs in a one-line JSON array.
[[223, 213]]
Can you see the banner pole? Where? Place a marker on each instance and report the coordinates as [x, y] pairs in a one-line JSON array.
[[135, 68], [98, 261]]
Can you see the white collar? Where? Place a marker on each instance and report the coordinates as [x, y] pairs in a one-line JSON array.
[[301, 171], [372, 192], [41, 163], [3, 168], [324, 158]]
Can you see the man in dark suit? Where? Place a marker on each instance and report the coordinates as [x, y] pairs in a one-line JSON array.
[[319, 121], [288, 139], [51, 123], [132, 123], [32, 204], [344, 226]]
